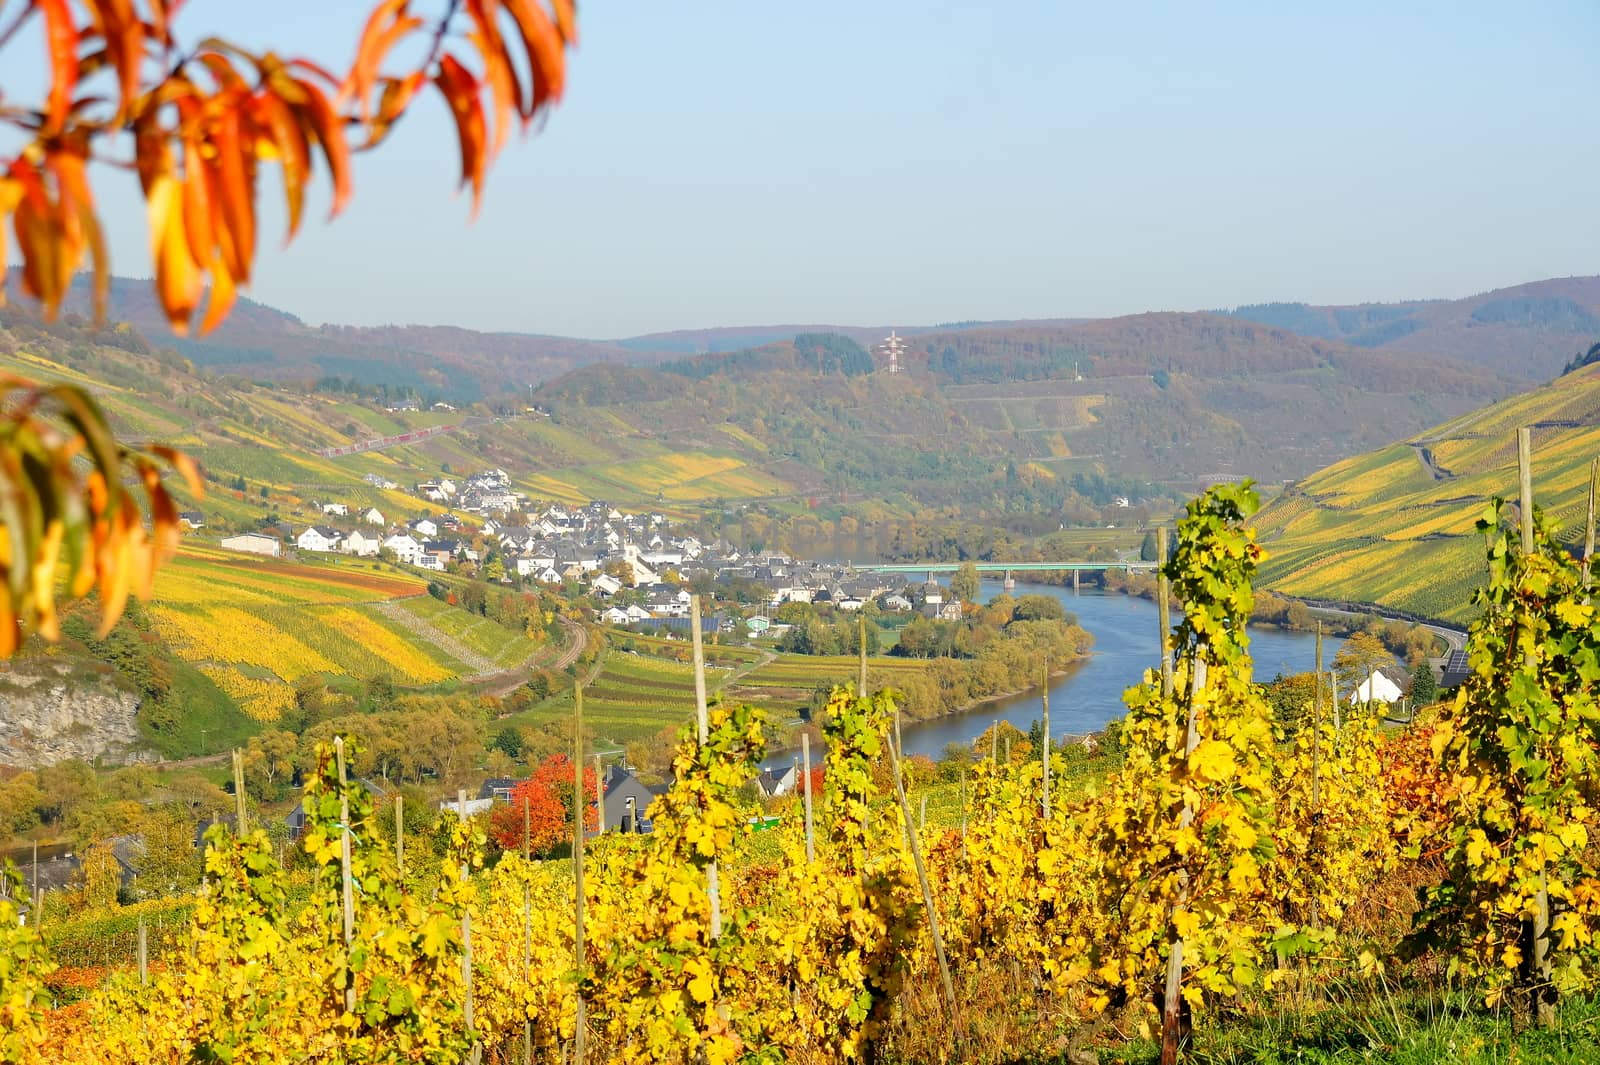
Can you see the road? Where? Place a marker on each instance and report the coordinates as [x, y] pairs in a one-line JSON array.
[[1455, 639]]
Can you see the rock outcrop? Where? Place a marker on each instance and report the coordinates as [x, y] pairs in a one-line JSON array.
[[48, 714]]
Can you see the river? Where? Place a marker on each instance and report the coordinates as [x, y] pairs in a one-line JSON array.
[[1089, 695]]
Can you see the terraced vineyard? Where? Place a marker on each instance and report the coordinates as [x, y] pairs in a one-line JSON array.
[[254, 626], [635, 696], [807, 672], [1395, 526]]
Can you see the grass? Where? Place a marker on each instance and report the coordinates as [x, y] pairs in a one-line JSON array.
[[208, 720], [501, 646], [1379, 1027]]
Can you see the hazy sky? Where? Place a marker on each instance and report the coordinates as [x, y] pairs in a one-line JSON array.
[[720, 163]]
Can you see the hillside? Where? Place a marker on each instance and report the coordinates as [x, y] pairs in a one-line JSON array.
[[1395, 526], [1528, 330], [988, 414]]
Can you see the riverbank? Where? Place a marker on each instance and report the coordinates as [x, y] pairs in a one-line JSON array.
[[1087, 694]]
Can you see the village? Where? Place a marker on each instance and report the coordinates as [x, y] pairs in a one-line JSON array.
[[637, 566]]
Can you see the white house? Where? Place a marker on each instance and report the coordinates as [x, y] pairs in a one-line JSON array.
[[338, 510], [775, 782], [362, 545], [373, 516], [318, 538], [406, 549], [606, 584], [642, 574], [474, 806], [614, 616], [1377, 688], [425, 527], [254, 543]]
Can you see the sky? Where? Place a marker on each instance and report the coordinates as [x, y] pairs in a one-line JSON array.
[[729, 162]]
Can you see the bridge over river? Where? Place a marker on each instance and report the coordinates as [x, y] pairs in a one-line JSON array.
[[1008, 569], [1000, 567]]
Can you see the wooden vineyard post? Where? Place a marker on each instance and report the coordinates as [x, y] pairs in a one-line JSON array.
[[1045, 691], [35, 893], [922, 880], [699, 670], [861, 642], [347, 895], [702, 730], [579, 1035], [599, 797], [1543, 1008], [475, 1054], [994, 743], [144, 955], [1163, 611], [527, 967], [805, 762], [239, 825], [963, 813], [1588, 525], [1316, 763], [1172, 1001], [527, 829], [400, 838]]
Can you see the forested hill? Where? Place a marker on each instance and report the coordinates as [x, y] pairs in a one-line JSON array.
[[1530, 330], [1395, 526], [1002, 415]]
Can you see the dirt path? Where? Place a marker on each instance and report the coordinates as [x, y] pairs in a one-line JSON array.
[[766, 659], [1425, 456], [391, 609], [509, 680]]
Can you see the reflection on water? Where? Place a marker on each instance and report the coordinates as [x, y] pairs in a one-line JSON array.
[[1086, 698]]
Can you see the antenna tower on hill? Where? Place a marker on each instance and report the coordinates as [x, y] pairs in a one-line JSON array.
[[893, 347]]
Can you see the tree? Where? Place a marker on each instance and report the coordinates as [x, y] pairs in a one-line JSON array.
[[168, 862], [1038, 608], [1424, 688], [507, 741], [102, 877], [202, 117], [965, 585], [269, 763], [548, 795], [1361, 654]]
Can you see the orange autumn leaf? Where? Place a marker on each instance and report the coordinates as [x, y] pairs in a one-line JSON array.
[[460, 90]]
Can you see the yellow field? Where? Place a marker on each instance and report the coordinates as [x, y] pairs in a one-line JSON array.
[[263, 700]]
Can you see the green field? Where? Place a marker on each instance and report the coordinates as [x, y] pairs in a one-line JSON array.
[[484, 636]]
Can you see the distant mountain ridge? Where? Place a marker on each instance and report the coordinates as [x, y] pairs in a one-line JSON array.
[[1530, 330], [1527, 331]]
